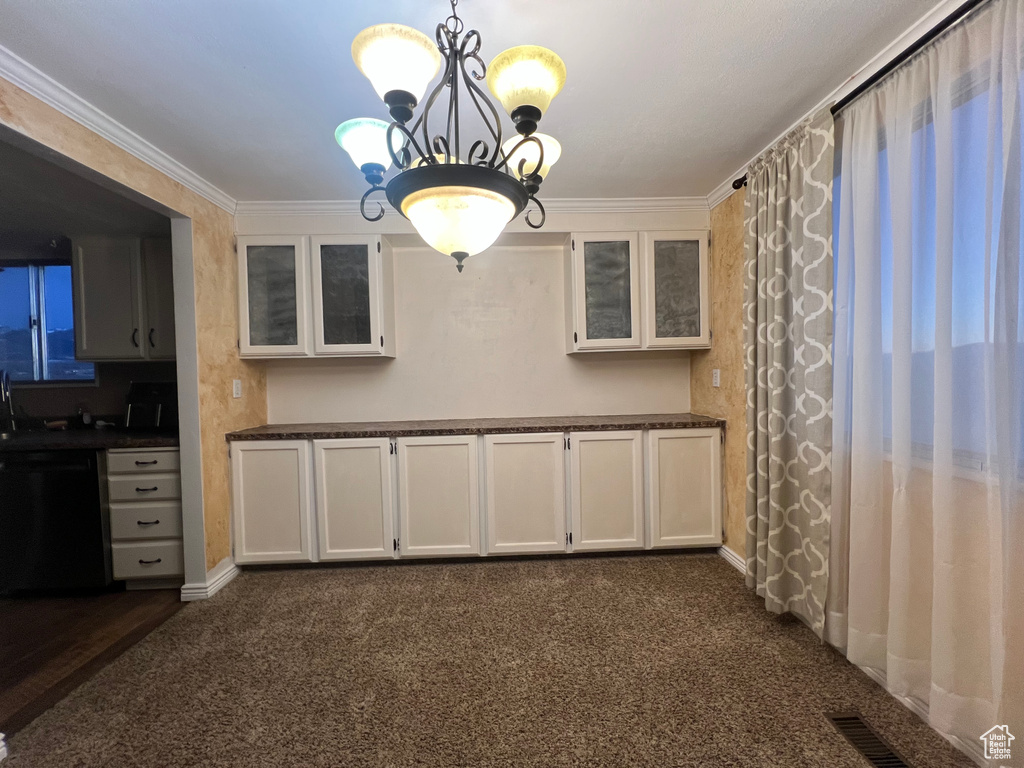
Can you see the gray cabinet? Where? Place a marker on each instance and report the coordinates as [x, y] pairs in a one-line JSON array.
[[637, 291], [123, 298]]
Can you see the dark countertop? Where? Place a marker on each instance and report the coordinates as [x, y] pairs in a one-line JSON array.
[[474, 426], [86, 440]]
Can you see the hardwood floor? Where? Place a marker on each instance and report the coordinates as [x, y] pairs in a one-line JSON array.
[[51, 645]]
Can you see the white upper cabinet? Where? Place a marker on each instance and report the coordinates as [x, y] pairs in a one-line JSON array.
[[123, 298], [351, 313], [325, 296], [675, 290], [637, 291], [273, 296], [158, 286], [605, 291], [525, 482]]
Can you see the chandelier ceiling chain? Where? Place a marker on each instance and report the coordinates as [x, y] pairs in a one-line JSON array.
[[459, 203]]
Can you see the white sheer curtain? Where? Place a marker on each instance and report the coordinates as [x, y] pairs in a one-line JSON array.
[[927, 559]]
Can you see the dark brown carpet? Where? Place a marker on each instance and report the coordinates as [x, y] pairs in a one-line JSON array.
[[627, 661]]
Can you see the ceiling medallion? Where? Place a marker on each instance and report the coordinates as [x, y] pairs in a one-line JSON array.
[[458, 203]]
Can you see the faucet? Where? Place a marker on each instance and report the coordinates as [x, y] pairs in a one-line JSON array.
[[6, 403]]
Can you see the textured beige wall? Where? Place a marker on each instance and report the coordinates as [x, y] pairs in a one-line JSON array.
[[729, 400], [215, 278]]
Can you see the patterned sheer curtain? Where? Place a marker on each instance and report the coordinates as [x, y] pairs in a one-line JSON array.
[[927, 558], [788, 338]]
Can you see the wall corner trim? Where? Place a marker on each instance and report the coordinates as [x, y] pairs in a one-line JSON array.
[[733, 559], [559, 205], [216, 579], [25, 76]]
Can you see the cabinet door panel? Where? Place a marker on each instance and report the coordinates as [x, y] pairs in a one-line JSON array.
[[346, 295], [525, 493], [607, 290], [107, 282], [159, 286], [685, 487], [607, 490], [676, 284], [353, 505], [270, 485], [439, 504], [272, 295]]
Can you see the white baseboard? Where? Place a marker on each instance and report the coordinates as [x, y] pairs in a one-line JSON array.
[[733, 559], [216, 578], [3, 747]]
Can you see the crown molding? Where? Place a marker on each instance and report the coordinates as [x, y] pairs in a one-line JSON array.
[[720, 193], [22, 74], [563, 205], [915, 32]]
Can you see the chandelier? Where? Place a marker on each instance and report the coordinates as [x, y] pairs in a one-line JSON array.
[[459, 203]]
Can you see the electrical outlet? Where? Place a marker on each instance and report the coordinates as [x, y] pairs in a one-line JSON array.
[[716, 377], [236, 388]]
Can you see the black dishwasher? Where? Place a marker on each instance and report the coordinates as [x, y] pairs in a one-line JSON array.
[[53, 533]]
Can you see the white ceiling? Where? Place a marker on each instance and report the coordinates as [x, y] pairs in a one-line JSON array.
[[664, 97]]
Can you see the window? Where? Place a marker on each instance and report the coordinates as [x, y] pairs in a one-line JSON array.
[[37, 330]]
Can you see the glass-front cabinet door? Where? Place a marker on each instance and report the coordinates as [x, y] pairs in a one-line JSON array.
[[273, 289], [606, 291], [347, 295], [676, 283]]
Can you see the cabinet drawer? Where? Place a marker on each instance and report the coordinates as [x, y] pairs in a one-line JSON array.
[[142, 461], [145, 520], [148, 559], [148, 487]]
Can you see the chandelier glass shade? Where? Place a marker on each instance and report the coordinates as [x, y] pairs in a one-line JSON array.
[[458, 200]]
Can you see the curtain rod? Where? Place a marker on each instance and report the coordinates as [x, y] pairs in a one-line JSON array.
[[954, 18]]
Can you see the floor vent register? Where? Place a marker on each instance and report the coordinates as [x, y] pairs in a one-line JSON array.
[[866, 740]]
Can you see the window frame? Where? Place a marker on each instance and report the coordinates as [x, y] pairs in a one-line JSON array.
[[37, 310]]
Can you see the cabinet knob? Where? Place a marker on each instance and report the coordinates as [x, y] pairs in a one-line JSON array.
[[152, 344], [150, 562], [148, 522], [135, 337], [146, 463], [147, 490]]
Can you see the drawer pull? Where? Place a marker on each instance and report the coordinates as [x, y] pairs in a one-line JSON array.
[[146, 463], [147, 490], [148, 522], [150, 562]]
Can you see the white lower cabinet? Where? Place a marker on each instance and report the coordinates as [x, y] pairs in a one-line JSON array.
[[438, 496], [685, 487], [354, 509], [271, 493], [607, 490], [525, 493], [375, 498]]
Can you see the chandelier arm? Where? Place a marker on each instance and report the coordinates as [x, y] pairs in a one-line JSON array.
[[522, 163], [493, 122], [362, 204], [403, 158], [446, 43], [543, 214], [479, 148], [441, 148]]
